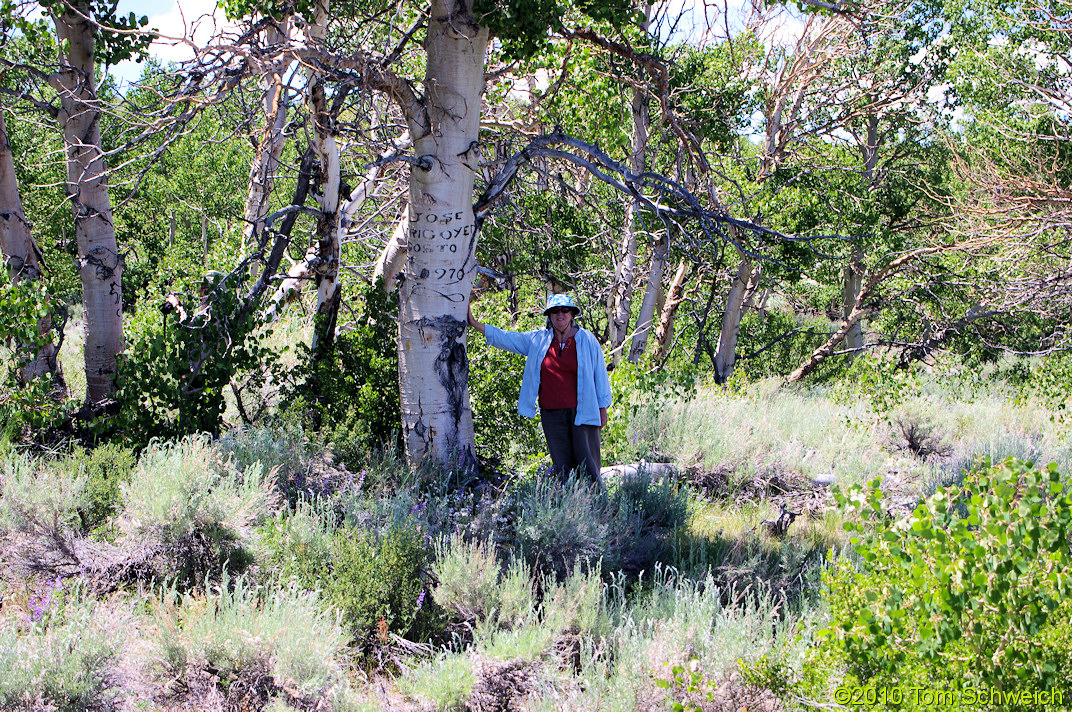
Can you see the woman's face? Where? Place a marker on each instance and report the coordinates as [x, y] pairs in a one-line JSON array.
[[560, 318]]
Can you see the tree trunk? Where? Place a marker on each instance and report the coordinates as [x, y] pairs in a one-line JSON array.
[[853, 282], [262, 172], [22, 257], [649, 305], [433, 367], [100, 265], [744, 284], [393, 255], [854, 270], [665, 329], [625, 273], [329, 238]]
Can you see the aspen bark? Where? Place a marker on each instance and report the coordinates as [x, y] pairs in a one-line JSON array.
[[625, 274], [22, 257], [329, 237], [675, 296], [262, 172], [100, 265], [649, 304], [744, 283], [433, 367]]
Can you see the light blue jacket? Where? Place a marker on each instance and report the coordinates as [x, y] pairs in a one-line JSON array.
[[593, 384]]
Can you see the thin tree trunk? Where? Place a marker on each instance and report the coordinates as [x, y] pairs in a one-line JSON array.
[[744, 282], [625, 274], [854, 270], [665, 329], [22, 258], [433, 367], [825, 351], [262, 172], [329, 239], [100, 265], [393, 256], [649, 304]]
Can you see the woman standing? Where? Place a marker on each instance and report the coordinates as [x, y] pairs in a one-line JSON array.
[[565, 371]]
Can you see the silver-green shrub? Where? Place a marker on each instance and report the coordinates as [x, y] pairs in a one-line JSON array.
[[195, 511], [39, 500], [61, 655], [242, 633], [473, 589]]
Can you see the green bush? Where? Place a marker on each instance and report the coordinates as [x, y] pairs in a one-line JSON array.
[[350, 393], [63, 657], [40, 501], [628, 528], [377, 580], [561, 526], [969, 591], [471, 587], [282, 448], [299, 541], [195, 511], [26, 403], [172, 375], [105, 469]]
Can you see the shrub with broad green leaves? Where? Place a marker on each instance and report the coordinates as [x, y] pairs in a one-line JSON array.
[[970, 590], [26, 401]]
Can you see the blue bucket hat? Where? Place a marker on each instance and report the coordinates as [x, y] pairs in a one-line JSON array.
[[561, 300]]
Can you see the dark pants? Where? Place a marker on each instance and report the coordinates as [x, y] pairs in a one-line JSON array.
[[571, 446]]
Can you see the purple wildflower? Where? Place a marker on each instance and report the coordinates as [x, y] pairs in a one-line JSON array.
[[361, 480], [420, 599], [39, 604]]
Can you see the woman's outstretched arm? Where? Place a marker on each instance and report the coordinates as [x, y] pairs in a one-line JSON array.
[[474, 323]]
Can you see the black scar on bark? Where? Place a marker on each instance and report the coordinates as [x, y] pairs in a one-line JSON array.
[[452, 369]]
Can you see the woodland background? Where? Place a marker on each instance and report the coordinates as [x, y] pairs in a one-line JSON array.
[[825, 247]]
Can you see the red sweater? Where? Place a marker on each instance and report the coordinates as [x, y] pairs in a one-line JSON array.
[[558, 376]]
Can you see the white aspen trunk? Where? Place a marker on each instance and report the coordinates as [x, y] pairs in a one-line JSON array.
[[665, 329], [622, 295], [100, 265], [329, 237], [649, 304], [625, 274], [853, 281], [744, 282], [393, 256], [854, 270], [262, 172], [21, 255], [433, 367]]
